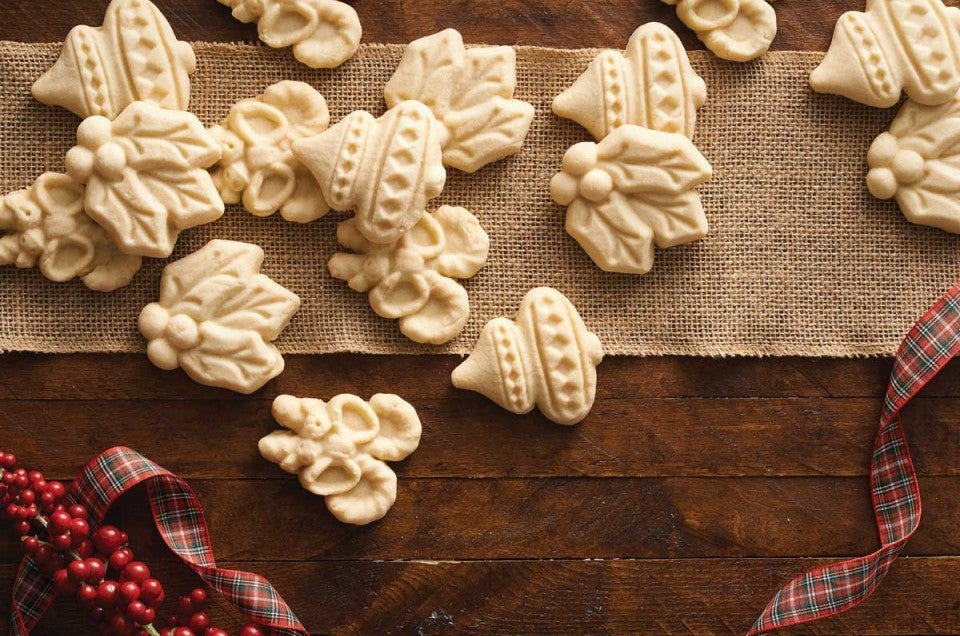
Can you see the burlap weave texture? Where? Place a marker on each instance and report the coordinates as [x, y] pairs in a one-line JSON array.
[[801, 260]]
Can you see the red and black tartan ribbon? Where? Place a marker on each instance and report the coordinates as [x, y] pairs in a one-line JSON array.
[[830, 590], [180, 521]]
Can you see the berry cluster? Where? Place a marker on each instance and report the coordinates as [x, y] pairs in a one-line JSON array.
[[98, 570]]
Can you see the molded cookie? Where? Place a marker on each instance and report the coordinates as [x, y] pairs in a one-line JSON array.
[[146, 176], [735, 30], [652, 85], [894, 46], [412, 279], [918, 163], [46, 226], [217, 316], [634, 189], [134, 56], [547, 358], [470, 93], [258, 166], [386, 169], [339, 450], [323, 33]]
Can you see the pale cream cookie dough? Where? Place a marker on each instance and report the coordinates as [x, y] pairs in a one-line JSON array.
[[546, 358], [46, 226], [145, 176], [339, 450], [134, 56], [385, 169], [323, 33], [413, 279], [892, 47], [217, 318], [735, 30], [470, 92], [651, 85], [258, 167], [634, 190]]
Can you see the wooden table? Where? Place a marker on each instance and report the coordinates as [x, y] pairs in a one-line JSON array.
[[694, 490]]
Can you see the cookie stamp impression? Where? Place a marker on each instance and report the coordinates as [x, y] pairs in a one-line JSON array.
[[217, 317], [134, 56], [46, 226], [258, 166], [413, 279], [894, 46], [146, 176], [546, 358], [386, 169], [735, 30], [651, 85], [633, 190], [470, 93], [323, 33], [339, 450]]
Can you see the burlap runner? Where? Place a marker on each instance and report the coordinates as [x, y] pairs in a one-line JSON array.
[[800, 259]]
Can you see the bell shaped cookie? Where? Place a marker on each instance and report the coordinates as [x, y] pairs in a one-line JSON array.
[[146, 176], [258, 167], [894, 46], [323, 33], [470, 93], [339, 450], [217, 317], [134, 56], [46, 226], [546, 358], [735, 30], [651, 85], [633, 190], [386, 169], [413, 279]]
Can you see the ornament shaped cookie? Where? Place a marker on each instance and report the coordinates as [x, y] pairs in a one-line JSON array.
[[546, 358], [652, 85], [470, 93], [413, 279], [339, 450], [386, 169], [894, 46], [134, 56], [146, 176], [633, 190], [258, 166], [918, 163], [45, 226], [323, 33], [217, 317], [735, 30]]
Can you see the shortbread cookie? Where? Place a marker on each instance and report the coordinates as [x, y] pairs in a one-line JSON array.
[[46, 226], [735, 30], [323, 33], [900, 45], [547, 358], [339, 450], [133, 57], [633, 190], [413, 279], [258, 166], [470, 93], [652, 85], [918, 163], [386, 169], [146, 176], [217, 317]]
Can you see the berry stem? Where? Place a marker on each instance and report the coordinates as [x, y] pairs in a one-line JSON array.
[[150, 629]]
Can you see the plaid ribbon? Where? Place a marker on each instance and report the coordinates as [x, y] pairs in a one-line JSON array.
[[830, 590], [180, 521]]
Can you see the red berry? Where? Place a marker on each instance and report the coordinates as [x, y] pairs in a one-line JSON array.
[[60, 522], [27, 497], [10, 510], [32, 511], [183, 631], [121, 625], [96, 615], [215, 631], [124, 539], [199, 622], [56, 489], [120, 558], [63, 583], [149, 615], [23, 513], [78, 571], [107, 594], [135, 610], [86, 595], [198, 597], [77, 511], [129, 591], [60, 542], [22, 528], [21, 481], [184, 606], [8, 461], [47, 500], [44, 557], [85, 549], [35, 476], [251, 630], [151, 592], [30, 544], [96, 570], [79, 529], [136, 572], [107, 539]]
